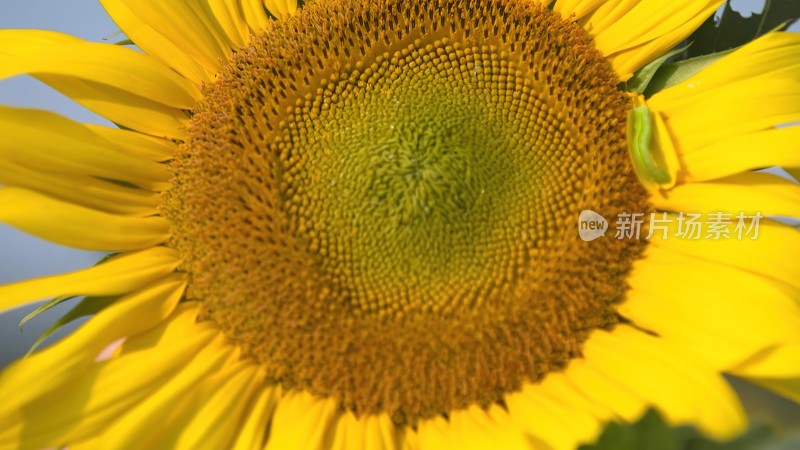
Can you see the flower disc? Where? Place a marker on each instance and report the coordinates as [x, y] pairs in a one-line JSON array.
[[378, 200]]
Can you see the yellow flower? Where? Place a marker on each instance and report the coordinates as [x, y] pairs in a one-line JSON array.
[[354, 224]]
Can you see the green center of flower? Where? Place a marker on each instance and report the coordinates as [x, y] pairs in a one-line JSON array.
[[417, 187], [379, 200]]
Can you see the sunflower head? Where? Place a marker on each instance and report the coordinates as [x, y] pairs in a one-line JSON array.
[[399, 179]]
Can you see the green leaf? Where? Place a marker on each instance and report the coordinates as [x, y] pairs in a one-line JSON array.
[[643, 76], [87, 307], [677, 72], [792, 443], [122, 42], [653, 433], [48, 305], [57, 300], [113, 35], [673, 73], [794, 172], [733, 30]]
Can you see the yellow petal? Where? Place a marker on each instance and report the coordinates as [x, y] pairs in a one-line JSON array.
[[77, 226], [292, 4], [476, 429], [770, 254], [255, 15], [605, 390], [605, 13], [186, 24], [682, 387], [349, 434], [557, 386], [154, 43], [632, 33], [44, 140], [89, 401], [123, 108], [627, 62], [146, 418], [88, 444], [649, 20], [773, 147], [550, 420], [251, 436], [369, 432], [231, 20], [773, 55], [694, 303], [578, 7], [82, 190], [740, 108], [137, 144], [712, 94], [749, 193], [281, 8], [182, 322], [118, 275], [434, 434], [303, 421], [40, 52], [217, 421], [781, 361], [752, 89], [382, 434], [165, 430], [50, 368], [411, 440]]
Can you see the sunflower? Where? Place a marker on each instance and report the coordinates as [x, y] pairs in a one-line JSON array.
[[352, 224]]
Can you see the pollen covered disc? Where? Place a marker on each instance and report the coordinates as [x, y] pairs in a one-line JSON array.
[[378, 200]]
